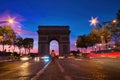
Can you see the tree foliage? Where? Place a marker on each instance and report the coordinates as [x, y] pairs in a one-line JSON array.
[[28, 43], [114, 28], [82, 41], [105, 34], [93, 38], [8, 35], [115, 32], [19, 43]]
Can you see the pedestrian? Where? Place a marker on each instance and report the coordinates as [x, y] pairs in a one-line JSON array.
[[53, 56]]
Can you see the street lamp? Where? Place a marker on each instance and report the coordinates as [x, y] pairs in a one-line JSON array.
[[10, 20], [93, 21], [76, 45], [95, 48], [99, 46], [114, 21]]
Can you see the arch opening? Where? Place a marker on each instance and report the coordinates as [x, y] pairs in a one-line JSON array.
[[54, 45]]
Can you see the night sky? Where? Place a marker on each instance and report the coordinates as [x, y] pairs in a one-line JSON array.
[[75, 13]]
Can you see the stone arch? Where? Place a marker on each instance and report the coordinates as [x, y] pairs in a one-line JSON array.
[[48, 33]]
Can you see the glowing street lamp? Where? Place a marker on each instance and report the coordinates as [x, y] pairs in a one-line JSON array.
[[10, 20], [114, 21], [76, 45], [93, 21]]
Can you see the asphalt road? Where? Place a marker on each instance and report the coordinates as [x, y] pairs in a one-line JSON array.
[[63, 69]]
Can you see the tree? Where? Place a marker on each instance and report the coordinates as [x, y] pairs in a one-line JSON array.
[[19, 43], [100, 36], [105, 35], [82, 42], [1, 36], [1, 30], [11, 36], [118, 15], [28, 44], [95, 36], [114, 28], [8, 35], [92, 39]]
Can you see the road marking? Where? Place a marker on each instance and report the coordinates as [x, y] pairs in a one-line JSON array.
[[40, 72], [67, 77], [61, 68]]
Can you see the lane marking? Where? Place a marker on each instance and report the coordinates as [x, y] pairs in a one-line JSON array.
[[67, 77], [61, 68], [40, 72]]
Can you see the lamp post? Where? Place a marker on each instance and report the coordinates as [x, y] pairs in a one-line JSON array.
[[99, 46], [75, 44], [95, 48]]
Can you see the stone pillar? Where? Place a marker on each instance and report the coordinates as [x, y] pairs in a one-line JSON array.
[[43, 48], [64, 48]]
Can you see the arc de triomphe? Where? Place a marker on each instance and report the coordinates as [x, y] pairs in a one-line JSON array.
[[48, 33]]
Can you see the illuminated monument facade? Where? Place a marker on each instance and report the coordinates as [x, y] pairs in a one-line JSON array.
[[48, 33]]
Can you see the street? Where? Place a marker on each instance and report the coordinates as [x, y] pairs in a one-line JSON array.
[[62, 69]]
